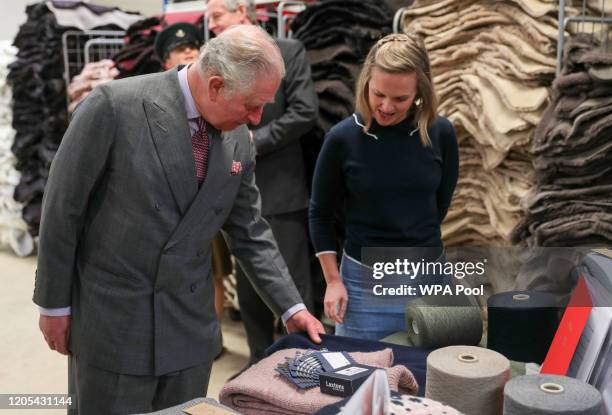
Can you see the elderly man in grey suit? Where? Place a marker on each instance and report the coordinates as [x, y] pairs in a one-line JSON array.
[[148, 171], [280, 173]]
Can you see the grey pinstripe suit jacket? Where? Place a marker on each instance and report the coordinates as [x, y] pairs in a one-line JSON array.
[[125, 231]]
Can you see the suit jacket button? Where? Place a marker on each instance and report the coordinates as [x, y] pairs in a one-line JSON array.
[[157, 207], [193, 287]]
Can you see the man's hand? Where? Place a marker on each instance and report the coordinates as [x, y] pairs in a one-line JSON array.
[[56, 331], [304, 321]]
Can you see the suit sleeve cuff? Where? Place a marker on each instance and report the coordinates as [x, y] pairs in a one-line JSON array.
[[55, 312], [289, 313]]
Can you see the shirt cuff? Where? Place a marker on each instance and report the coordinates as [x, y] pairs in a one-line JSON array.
[[55, 312], [325, 252], [289, 313]]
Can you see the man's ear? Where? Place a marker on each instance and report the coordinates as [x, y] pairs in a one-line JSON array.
[[215, 87], [242, 11]]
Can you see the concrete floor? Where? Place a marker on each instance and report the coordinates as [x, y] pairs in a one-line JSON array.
[[28, 366]]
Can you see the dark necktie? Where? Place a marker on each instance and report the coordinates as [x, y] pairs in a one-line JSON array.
[[201, 146]]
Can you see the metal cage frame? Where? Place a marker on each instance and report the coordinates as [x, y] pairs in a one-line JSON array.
[[79, 46]]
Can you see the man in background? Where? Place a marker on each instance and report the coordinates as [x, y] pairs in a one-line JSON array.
[[279, 173]]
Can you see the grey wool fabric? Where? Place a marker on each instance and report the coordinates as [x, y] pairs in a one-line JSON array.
[[570, 204], [337, 35]]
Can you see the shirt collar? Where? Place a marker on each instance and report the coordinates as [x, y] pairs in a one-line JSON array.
[[190, 107]]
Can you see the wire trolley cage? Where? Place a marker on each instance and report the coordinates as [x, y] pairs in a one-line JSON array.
[[82, 47], [288, 10], [101, 48], [594, 18]]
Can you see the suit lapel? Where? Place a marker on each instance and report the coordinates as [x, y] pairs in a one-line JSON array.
[[171, 136], [208, 198]]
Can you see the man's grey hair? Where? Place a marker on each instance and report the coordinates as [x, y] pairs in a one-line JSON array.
[[249, 5], [239, 55]]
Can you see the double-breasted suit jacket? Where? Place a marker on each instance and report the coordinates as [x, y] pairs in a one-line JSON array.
[[125, 231]]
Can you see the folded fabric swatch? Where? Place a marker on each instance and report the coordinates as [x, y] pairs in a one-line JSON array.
[[261, 390]]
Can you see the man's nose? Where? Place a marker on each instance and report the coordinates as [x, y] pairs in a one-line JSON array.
[[212, 25]]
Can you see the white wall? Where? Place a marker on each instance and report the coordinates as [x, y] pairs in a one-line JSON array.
[[12, 12], [12, 15]]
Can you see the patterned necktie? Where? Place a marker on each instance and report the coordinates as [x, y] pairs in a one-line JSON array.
[[201, 146]]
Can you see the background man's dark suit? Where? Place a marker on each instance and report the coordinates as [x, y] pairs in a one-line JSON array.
[[281, 179]]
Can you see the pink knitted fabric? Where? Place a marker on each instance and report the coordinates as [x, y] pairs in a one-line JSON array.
[[261, 390]]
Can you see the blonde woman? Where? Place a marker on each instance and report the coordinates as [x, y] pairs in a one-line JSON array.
[[393, 166]]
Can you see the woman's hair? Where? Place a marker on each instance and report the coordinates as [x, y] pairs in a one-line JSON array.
[[400, 53]]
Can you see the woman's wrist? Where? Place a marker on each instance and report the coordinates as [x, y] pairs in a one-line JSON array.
[[329, 265], [333, 279]]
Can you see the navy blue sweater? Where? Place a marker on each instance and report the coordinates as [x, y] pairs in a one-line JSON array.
[[396, 192]]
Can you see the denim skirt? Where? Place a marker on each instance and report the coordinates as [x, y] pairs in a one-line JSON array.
[[366, 318]]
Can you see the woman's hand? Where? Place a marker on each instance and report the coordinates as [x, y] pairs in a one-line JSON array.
[[336, 299]]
